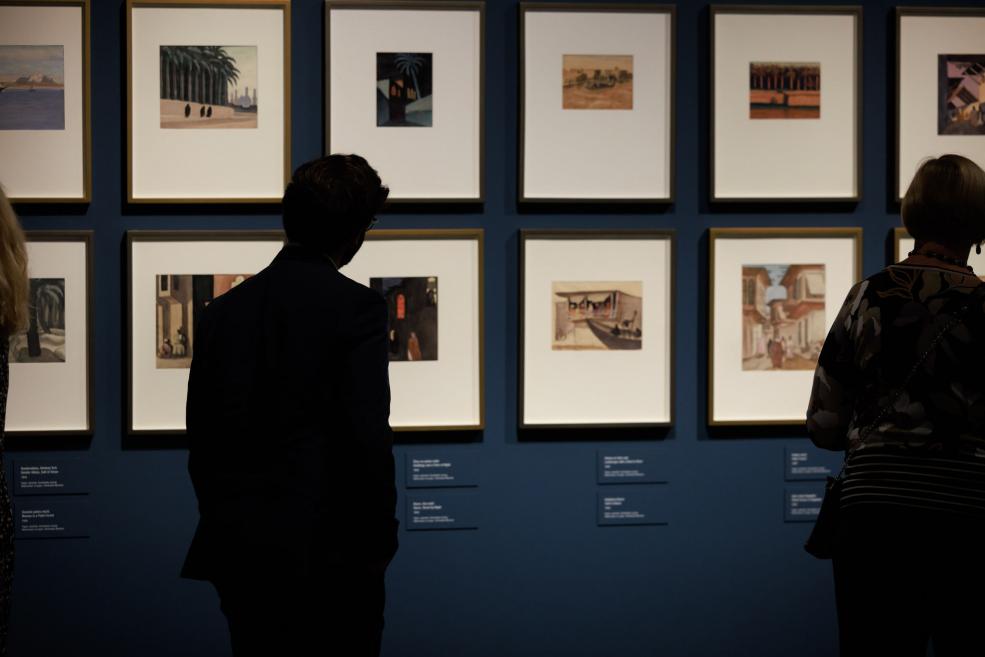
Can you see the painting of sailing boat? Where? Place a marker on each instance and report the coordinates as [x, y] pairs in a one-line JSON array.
[[44, 340], [32, 87], [597, 315], [403, 89], [208, 86]]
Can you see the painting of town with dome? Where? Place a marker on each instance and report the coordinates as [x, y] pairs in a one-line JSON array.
[[404, 89], [44, 340], [32, 87], [783, 320], [961, 95], [597, 315], [209, 86], [181, 298]]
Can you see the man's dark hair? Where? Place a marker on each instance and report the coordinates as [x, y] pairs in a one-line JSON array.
[[332, 200], [946, 202]]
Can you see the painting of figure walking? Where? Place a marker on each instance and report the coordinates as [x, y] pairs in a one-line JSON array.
[[209, 86], [412, 302], [32, 87]]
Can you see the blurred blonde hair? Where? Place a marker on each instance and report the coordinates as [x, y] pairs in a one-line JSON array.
[[14, 283]]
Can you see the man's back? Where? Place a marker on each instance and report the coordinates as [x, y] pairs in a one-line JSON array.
[[287, 417]]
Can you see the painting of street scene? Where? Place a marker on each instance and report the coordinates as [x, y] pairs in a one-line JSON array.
[[208, 86], [32, 87], [597, 315], [413, 316], [181, 298], [44, 340], [960, 94], [784, 90], [783, 321], [404, 89], [597, 82]]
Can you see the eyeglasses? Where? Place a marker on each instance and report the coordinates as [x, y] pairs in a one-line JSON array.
[[372, 222]]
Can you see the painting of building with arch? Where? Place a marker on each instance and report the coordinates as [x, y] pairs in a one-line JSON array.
[[412, 304], [208, 86], [961, 95], [44, 340], [784, 90], [597, 315], [181, 298], [404, 83], [783, 318]]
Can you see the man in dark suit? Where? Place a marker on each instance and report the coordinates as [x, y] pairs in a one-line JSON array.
[[288, 428]]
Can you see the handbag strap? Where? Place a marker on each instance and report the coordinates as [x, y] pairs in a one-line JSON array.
[[867, 431]]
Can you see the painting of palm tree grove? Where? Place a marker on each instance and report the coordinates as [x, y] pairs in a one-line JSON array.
[[403, 89], [412, 304], [783, 322], [32, 87], [599, 82], [597, 315], [44, 340], [785, 90], [961, 95], [208, 86]]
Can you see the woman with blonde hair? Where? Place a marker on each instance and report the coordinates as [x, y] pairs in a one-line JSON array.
[[13, 317]]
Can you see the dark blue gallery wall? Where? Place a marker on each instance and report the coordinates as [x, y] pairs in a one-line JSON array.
[[725, 577]]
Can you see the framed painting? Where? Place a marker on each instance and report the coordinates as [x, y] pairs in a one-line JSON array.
[[198, 128], [404, 88], [588, 70], [596, 328], [51, 360], [786, 92], [940, 86], [774, 293], [45, 126], [171, 277], [903, 244], [432, 281]]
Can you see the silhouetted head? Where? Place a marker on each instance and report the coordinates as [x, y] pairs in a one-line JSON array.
[[946, 202], [331, 202]]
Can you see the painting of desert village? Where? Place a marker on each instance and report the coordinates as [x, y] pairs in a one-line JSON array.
[[44, 340], [404, 89], [961, 94], [783, 320], [597, 315], [208, 86], [32, 87], [784, 90], [181, 298], [597, 82], [412, 304]]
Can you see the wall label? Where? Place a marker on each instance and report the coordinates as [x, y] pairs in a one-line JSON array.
[[50, 517], [633, 505], [808, 463], [803, 503], [636, 465], [63, 476], [442, 468], [442, 510]]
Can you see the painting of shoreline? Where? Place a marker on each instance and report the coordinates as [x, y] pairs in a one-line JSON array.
[[597, 315], [783, 320], [208, 86], [784, 90], [597, 82], [32, 87]]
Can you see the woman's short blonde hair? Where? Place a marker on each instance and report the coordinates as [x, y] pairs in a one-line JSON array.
[[946, 202], [14, 284]]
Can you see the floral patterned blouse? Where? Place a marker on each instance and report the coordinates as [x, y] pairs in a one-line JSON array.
[[928, 450]]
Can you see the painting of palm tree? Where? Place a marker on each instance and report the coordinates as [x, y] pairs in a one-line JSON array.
[[784, 90], [403, 89], [44, 340], [208, 86]]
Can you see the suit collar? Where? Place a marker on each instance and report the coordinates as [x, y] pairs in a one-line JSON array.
[[297, 252]]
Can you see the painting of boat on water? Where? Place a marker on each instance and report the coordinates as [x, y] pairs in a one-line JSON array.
[[597, 315], [783, 320], [785, 90], [32, 87], [209, 87], [597, 82]]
